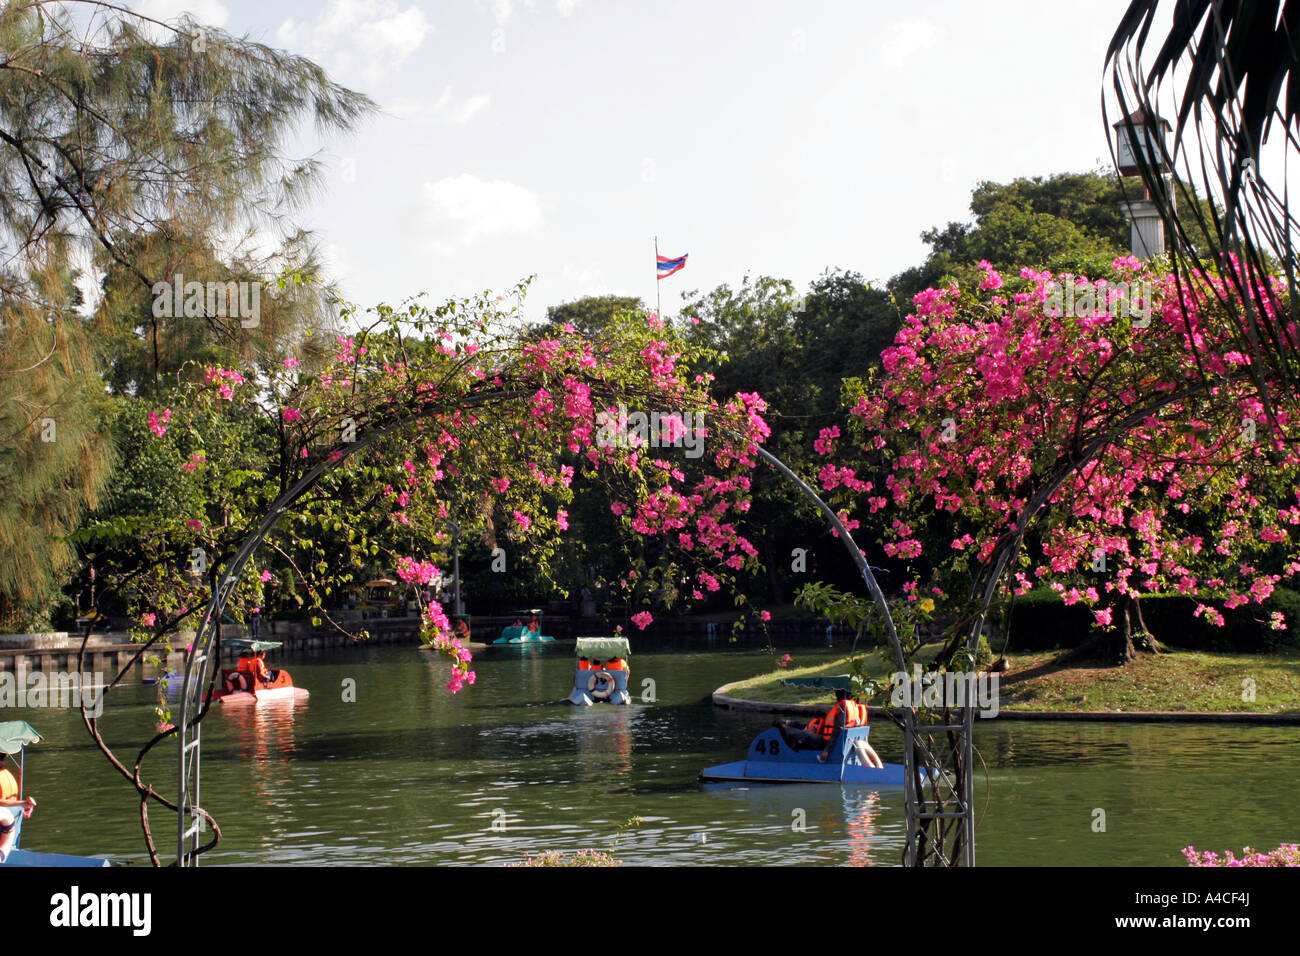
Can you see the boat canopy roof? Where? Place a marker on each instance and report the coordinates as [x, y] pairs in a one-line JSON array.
[[244, 644], [15, 735], [380, 583], [603, 648], [825, 682]]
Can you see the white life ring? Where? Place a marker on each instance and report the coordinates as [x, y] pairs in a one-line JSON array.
[[601, 676]]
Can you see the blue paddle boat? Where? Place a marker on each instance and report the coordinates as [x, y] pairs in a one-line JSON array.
[[772, 760], [14, 736], [601, 675], [531, 633]]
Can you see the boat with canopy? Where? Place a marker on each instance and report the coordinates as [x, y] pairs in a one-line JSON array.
[[250, 681], [601, 674], [15, 736]]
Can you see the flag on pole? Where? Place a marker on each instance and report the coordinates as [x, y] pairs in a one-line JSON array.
[[668, 266]]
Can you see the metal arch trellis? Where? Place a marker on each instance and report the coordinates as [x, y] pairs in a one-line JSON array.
[[929, 799], [201, 661]]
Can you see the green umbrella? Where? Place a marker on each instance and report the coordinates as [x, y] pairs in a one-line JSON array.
[[15, 735]]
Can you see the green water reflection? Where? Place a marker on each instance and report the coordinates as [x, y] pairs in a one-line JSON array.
[[410, 774]]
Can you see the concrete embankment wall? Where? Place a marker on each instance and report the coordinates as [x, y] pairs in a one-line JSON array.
[[108, 652]]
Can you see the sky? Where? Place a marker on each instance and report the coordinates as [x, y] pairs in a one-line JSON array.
[[560, 137]]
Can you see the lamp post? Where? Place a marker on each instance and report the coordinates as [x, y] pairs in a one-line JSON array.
[[1141, 136], [458, 606]]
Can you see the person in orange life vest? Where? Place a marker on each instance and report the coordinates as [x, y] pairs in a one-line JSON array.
[[462, 629], [615, 664], [534, 625], [822, 731], [260, 670], [8, 821]]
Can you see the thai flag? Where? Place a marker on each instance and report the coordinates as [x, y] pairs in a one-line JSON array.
[[668, 266]]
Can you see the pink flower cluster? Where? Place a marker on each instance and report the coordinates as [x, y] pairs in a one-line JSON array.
[[1288, 854], [436, 632], [226, 377], [417, 572], [158, 425]]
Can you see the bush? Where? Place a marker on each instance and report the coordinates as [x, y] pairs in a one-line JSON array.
[[560, 858]]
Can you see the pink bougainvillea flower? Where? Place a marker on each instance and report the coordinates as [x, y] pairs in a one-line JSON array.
[[266, 576], [642, 620], [195, 524], [158, 425], [562, 519], [766, 615], [291, 363], [292, 414], [148, 620], [523, 521]]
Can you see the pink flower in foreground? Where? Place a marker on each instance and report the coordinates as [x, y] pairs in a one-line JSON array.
[[148, 620], [766, 615], [291, 363], [562, 519], [643, 619], [266, 576], [292, 414], [194, 523], [523, 521]]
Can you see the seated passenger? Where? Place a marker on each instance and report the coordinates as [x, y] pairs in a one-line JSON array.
[[822, 731], [8, 821], [260, 670]]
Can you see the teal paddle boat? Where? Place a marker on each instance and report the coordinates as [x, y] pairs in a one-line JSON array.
[[15, 735], [601, 674], [530, 633]]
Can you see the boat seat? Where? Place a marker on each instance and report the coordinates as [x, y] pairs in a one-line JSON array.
[[770, 746]]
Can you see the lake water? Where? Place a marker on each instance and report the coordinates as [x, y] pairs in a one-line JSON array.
[[410, 774]]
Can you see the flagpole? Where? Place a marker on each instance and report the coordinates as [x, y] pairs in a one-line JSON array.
[[658, 307]]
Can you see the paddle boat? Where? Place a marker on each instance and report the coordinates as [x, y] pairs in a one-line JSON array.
[[771, 760], [247, 683], [15, 735], [601, 675], [519, 633]]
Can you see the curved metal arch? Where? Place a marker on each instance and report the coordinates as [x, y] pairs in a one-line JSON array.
[[200, 662]]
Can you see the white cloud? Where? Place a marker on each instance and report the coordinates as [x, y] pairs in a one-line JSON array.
[[503, 10], [907, 38], [566, 7], [211, 13], [376, 35], [465, 209], [445, 109]]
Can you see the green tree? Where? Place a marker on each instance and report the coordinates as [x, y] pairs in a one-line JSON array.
[[128, 154], [592, 314]]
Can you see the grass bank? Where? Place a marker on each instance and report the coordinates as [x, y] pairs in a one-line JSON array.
[[1191, 681]]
